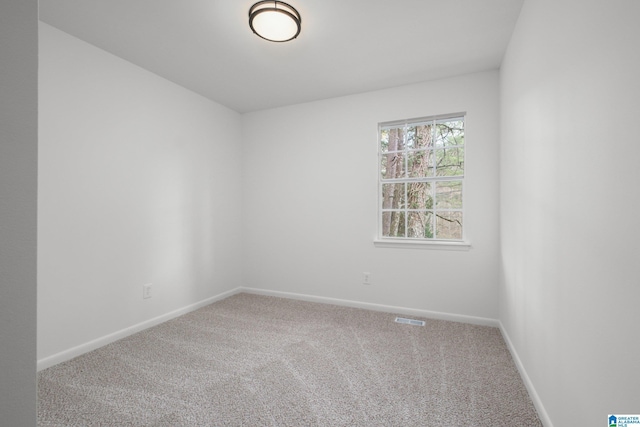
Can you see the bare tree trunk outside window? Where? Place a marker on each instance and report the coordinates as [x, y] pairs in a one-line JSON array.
[[422, 170], [394, 168]]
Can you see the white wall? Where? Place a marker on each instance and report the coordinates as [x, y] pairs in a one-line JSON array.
[[18, 184], [569, 289], [139, 182], [310, 197]]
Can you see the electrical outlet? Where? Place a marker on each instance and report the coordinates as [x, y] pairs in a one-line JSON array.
[[366, 278], [146, 291]]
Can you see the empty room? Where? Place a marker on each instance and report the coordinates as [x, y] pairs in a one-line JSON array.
[[360, 213]]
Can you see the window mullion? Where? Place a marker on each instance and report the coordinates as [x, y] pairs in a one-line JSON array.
[[434, 217], [406, 185]]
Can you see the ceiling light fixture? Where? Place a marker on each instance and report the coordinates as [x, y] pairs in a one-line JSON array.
[[275, 21]]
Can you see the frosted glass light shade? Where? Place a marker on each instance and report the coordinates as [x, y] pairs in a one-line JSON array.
[[275, 21]]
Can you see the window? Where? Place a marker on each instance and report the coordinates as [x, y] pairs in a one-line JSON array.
[[421, 179]]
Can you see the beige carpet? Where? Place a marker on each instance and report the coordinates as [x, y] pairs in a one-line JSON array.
[[262, 361]]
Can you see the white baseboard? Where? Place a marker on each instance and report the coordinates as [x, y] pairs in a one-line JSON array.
[[542, 413], [377, 307], [107, 339], [69, 354]]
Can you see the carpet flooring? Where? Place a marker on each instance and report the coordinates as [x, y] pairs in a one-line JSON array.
[[253, 360]]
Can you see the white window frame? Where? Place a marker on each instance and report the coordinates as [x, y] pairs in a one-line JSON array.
[[412, 242]]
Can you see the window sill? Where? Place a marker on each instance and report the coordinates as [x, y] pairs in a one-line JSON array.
[[422, 244]]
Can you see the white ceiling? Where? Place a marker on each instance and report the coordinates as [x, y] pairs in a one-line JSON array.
[[345, 47]]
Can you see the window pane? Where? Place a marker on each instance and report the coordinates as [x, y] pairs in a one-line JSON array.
[[384, 140], [449, 195], [393, 196], [449, 225], [393, 224], [419, 136], [420, 164], [420, 225], [392, 165], [419, 195], [391, 139], [450, 162], [449, 133]]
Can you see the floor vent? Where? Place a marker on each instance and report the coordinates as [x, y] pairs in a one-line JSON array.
[[409, 321]]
